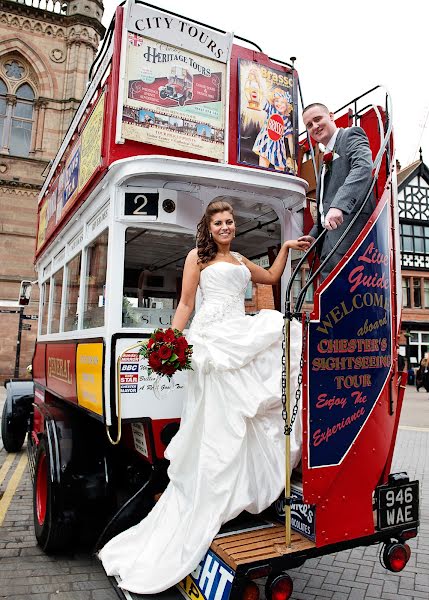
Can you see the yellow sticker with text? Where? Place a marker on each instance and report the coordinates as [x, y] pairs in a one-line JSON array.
[[89, 376], [189, 587]]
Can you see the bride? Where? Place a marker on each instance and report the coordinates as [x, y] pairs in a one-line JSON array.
[[228, 455]]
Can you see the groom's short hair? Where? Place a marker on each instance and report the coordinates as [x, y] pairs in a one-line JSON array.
[[319, 104]]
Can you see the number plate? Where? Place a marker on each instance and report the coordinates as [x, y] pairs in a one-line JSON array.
[[397, 505]]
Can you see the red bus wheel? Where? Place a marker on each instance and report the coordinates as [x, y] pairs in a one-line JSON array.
[[41, 488], [53, 526]]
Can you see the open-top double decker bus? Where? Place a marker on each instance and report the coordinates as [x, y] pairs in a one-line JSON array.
[[117, 217]]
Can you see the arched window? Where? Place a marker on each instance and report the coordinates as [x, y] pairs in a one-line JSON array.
[[22, 121], [3, 92], [16, 109]]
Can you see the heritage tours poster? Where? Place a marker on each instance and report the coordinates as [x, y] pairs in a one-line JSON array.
[[173, 98]]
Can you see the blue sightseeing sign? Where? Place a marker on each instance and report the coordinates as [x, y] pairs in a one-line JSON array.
[[350, 348]]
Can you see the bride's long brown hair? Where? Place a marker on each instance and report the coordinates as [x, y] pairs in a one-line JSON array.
[[206, 247]]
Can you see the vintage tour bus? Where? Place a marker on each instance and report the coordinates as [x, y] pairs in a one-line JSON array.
[[170, 121]]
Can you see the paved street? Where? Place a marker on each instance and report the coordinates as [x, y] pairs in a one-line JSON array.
[[27, 573]]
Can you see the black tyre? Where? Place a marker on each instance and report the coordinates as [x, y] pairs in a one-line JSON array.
[[13, 434], [53, 526]]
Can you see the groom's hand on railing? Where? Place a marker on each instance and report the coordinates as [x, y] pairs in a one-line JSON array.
[[334, 218]]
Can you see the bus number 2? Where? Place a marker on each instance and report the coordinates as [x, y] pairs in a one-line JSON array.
[[143, 201]]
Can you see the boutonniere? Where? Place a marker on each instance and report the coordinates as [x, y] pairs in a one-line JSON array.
[[328, 159]]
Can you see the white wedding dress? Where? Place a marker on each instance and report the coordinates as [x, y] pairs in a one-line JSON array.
[[229, 454]]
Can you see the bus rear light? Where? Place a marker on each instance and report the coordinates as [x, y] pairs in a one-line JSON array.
[[396, 556], [408, 534], [259, 572], [250, 591], [408, 551], [279, 588]]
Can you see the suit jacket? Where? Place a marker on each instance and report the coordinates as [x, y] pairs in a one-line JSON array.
[[345, 185]]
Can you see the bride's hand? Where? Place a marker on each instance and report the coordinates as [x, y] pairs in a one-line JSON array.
[[300, 244]]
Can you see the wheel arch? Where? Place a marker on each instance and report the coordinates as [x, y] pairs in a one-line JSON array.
[[52, 439]]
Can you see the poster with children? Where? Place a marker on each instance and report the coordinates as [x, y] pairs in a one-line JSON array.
[[266, 129]]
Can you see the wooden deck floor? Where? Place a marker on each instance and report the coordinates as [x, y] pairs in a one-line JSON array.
[[250, 546]]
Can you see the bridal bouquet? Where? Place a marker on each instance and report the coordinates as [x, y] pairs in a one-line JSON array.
[[167, 351]]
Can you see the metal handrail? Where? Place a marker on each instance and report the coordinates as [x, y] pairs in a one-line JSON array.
[[377, 163]]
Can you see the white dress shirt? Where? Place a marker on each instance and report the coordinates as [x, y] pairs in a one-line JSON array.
[[328, 148]]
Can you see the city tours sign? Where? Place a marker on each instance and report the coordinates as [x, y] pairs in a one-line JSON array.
[[174, 73], [350, 348]]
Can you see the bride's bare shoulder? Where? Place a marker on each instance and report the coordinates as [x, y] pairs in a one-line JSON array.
[[192, 254], [192, 258]]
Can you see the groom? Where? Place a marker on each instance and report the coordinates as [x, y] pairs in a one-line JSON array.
[[344, 180]]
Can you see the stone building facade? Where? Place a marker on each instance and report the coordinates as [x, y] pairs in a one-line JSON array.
[[46, 50]]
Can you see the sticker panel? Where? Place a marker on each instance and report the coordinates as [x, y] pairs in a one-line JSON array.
[[211, 580], [89, 371]]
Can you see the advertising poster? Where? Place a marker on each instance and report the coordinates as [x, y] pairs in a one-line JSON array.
[[173, 98], [61, 196], [41, 230], [89, 376], [199, 586], [48, 217], [90, 153], [71, 178], [350, 348], [266, 131]]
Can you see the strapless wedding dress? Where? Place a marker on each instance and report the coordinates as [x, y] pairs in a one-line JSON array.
[[229, 454]]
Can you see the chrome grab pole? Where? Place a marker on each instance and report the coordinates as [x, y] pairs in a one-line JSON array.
[[288, 421]]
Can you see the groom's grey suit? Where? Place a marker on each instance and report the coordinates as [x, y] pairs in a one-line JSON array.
[[345, 184]]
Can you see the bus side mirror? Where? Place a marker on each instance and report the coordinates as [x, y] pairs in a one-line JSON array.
[[25, 293]]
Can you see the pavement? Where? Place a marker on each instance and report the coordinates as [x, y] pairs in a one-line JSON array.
[[27, 573]]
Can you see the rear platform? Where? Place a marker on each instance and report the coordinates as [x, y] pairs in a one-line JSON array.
[[246, 541], [251, 546]]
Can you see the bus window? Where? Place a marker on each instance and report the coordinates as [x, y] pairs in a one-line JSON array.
[[153, 276], [57, 292], [95, 282], [45, 306], [72, 294]]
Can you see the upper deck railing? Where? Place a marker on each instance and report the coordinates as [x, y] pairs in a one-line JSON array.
[[54, 6], [383, 153]]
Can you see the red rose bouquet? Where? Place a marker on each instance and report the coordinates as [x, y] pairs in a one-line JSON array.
[[167, 351]]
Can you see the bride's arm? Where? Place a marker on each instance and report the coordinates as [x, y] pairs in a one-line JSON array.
[[273, 274], [191, 277]]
